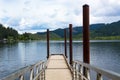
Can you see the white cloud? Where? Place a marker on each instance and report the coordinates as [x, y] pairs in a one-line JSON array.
[[25, 15]]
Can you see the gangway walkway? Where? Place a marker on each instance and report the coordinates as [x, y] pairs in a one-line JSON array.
[[57, 68]]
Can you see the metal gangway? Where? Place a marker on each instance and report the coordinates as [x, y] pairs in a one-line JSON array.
[[58, 68]]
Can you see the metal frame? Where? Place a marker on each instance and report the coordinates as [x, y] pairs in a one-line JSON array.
[[76, 71], [40, 72], [78, 66]]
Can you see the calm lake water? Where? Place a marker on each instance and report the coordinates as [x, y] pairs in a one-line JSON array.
[[104, 54]]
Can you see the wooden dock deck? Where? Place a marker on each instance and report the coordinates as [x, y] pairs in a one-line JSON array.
[[57, 68]]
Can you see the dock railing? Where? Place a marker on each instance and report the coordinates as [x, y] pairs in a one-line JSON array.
[[37, 72], [79, 66], [33, 71]]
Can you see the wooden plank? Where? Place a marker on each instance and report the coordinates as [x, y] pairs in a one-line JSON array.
[[57, 69], [58, 74], [57, 64]]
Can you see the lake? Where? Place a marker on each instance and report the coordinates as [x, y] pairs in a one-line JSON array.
[[103, 54]]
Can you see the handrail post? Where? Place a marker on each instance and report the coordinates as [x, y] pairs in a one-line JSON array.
[[65, 43], [99, 76], [31, 74], [75, 71], [21, 77], [80, 71], [86, 52], [37, 70], [70, 43], [48, 44]]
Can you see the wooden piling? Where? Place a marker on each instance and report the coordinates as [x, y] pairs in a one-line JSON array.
[[70, 44], [86, 52], [65, 43], [48, 51]]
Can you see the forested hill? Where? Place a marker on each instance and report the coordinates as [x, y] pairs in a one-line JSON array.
[[97, 31], [7, 33]]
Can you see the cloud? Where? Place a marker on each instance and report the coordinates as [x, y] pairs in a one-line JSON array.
[[38, 15], [108, 8], [27, 2]]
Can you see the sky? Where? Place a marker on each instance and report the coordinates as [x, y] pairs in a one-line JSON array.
[[38, 15]]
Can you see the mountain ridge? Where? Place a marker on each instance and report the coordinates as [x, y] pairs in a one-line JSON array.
[[96, 30]]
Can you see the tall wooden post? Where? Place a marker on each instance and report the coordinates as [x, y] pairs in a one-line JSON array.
[[86, 51], [48, 44], [70, 43], [65, 43]]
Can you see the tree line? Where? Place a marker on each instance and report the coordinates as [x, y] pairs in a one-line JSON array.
[[97, 32], [8, 33]]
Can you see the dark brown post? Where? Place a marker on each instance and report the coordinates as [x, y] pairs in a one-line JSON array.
[[65, 42], [48, 43], [86, 52], [70, 43]]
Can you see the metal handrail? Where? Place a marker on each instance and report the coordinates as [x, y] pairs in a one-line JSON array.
[[38, 75], [100, 72], [20, 73], [76, 69]]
